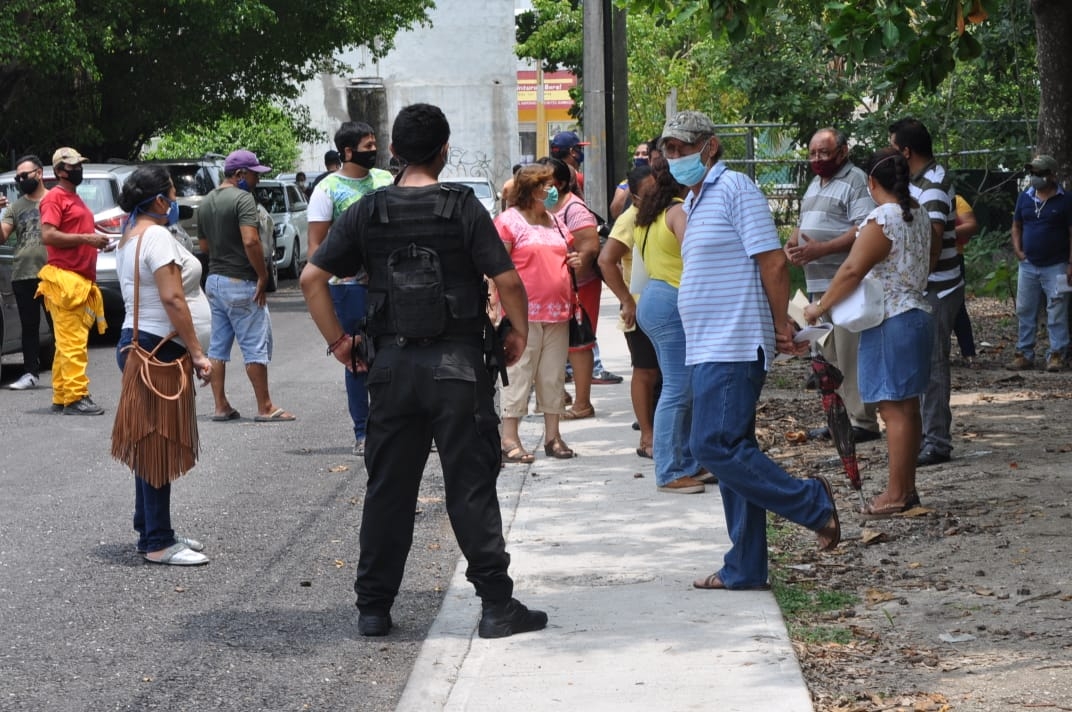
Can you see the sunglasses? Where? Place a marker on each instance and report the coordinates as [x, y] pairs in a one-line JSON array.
[[27, 174]]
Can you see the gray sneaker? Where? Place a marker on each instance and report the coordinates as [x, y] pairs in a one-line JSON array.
[[25, 383], [85, 406], [359, 448]]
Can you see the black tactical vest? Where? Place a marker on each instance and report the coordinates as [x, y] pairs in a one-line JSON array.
[[422, 281]]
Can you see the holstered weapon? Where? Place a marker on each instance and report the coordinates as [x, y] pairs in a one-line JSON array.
[[494, 354], [363, 350]]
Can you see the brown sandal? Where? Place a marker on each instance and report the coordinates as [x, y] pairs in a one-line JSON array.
[[714, 582], [829, 535], [579, 413], [557, 449], [517, 454]]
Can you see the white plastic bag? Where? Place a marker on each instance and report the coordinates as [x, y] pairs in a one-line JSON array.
[[864, 309]]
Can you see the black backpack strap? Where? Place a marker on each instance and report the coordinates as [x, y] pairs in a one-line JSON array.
[[380, 206]]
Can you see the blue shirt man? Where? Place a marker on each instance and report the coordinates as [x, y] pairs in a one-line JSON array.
[[1041, 234], [733, 299]]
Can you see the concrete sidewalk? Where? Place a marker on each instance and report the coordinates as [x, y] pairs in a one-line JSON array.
[[612, 561]]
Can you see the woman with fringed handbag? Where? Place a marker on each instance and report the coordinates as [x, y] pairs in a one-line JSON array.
[[160, 347]]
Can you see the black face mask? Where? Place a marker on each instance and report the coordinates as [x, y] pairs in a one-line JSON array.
[[74, 175], [365, 159], [28, 185]]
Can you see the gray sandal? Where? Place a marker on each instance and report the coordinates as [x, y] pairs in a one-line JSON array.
[[179, 555]]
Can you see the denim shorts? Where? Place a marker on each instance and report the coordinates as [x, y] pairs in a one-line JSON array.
[[236, 316], [895, 357]]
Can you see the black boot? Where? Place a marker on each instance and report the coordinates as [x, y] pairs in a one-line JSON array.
[[504, 619]]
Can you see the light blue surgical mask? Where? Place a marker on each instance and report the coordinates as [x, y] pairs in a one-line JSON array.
[[552, 198], [688, 170]]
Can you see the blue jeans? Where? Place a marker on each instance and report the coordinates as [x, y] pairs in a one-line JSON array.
[[152, 505], [1032, 285], [349, 301], [724, 441], [658, 316], [235, 316]]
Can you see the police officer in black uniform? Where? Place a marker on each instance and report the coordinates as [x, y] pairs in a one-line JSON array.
[[426, 246]]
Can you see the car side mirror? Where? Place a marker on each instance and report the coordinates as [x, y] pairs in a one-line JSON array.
[[186, 212]]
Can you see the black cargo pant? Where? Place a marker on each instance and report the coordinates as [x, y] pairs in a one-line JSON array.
[[440, 390]]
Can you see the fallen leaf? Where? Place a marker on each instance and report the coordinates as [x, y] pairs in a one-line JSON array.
[[916, 511], [983, 592], [339, 563], [180, 589], [797, 437], [873, 596], [873, 536], [338, 468]]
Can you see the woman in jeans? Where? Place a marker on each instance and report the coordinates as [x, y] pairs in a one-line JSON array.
[[169, 299], [892, 246], [659, 221], [541, 249]]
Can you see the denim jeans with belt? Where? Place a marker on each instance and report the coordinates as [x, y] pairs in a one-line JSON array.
[[152, 505], [724, 441], [658, 316]]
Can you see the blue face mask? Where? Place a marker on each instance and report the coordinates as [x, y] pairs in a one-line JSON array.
[[173, 212], [578, 153], [242, 184], [552, 198], [639, 161], [688, 170]]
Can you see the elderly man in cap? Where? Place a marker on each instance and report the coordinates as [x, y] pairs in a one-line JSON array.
[[733, 302], [68, 283], [1041, 231], [236, 286]]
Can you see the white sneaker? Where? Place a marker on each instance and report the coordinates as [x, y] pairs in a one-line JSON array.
[[25, 383]]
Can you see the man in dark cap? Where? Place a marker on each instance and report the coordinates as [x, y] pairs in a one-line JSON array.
[[332, 163], [568, 147], [238, 278], [426, 247]]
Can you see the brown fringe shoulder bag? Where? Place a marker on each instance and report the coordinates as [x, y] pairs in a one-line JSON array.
[[155, 430]]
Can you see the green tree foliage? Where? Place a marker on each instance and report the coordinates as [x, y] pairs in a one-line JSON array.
[[107, 75], [273, 132]]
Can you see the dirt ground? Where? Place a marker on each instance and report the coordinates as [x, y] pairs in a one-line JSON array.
[[964, 604]]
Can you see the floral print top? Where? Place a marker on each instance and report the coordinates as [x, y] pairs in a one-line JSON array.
[[903, 274]]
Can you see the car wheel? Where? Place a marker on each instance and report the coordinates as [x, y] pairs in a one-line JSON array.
[[273, 276], [294, 267]]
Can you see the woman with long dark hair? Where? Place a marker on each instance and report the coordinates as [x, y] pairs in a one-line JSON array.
[[893, 247], [660, 221], [169, 299]]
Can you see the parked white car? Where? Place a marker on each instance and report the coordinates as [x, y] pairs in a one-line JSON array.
[[286, 203]]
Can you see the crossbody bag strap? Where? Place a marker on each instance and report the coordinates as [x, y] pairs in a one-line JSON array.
[[572, 274]]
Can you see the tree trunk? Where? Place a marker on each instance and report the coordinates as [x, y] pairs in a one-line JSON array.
[[1053, 29]]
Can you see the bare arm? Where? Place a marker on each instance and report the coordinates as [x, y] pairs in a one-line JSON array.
[[871, 248], [808, 250], [774, 274], [937, 232], [609, 259], [318, 232], [586, 246], [967, 227], [617, 204], [53, 237], [314, 286], [169, 283], [1018, 240], [251, 241], [676, 220]]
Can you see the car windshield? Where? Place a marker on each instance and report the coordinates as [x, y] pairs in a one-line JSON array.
[[190, 180], [97, 193], [482, 190], [271, 197]]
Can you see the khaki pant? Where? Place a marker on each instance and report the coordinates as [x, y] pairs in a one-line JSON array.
[[841, 348]]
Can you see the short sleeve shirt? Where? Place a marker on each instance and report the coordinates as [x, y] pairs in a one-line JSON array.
[[336, 193], [341, 254], [68, 213], [220, 217], [24, 216], [539, 255], [724, 308], [933, 190], [1045, 225], [828, 211], [903, 273]]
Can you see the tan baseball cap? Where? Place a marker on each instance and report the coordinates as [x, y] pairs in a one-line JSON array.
[[67, 155]]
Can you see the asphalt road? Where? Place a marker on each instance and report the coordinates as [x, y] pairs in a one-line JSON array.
[[270, 623]]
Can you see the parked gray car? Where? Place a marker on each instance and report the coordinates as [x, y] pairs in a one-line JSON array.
[[286, 203]]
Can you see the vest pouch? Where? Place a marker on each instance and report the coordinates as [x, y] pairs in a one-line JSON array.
[[415, 288]]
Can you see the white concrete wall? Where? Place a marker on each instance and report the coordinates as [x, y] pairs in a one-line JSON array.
[[463, 62]]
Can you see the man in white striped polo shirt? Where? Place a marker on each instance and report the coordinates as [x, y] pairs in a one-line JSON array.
[[835, 203], [733, 299], [933, 189]]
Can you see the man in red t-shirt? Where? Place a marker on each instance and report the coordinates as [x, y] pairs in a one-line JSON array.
[[68, 282]]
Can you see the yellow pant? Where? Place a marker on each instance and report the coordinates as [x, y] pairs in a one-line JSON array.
[[69, 380]]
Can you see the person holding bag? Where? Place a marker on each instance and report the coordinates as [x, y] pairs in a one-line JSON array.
[[167, 323], [892, 248], [540, 250]]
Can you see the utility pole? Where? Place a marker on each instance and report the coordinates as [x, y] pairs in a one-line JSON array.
[[605, 101]]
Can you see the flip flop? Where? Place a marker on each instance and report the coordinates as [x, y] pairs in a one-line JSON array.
[[277, 416], [644, 452], [714, 582], [178, 555], [232, 415], [888, 511], [579, 414]]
